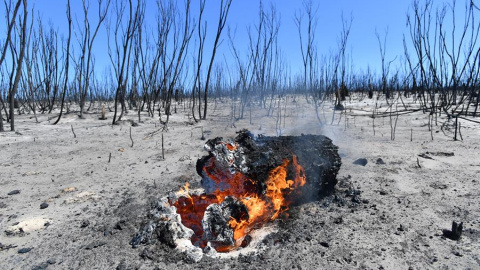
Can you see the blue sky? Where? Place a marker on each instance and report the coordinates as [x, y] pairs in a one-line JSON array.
[[368, 16]]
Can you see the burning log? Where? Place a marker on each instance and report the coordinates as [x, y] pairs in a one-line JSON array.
[[246, 183], [256, 158]]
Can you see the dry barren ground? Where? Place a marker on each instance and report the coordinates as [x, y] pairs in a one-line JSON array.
[[95, 188]]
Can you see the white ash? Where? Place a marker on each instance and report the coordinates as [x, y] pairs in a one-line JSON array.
[[166, 226], [234, 160]]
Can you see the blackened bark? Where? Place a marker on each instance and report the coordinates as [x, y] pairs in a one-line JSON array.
[[258, 156]]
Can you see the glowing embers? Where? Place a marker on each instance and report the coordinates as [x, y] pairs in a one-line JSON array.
[[233, 205]]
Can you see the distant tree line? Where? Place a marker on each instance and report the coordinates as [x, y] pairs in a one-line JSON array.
[[155, 69]]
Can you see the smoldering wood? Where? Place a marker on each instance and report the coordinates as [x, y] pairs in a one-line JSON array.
[[255, 158], [215, 221], [316, 154]]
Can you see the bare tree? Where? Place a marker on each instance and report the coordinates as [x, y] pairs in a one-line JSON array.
[[385, 66], [447, 56], [173, 62], [340, 63], [10, 27], [67, 58], [258, 70], [30, 85], [202, 34], [222, 19], [309, 47], [86, 38], [120, 55], [47, 68], [17, 57]]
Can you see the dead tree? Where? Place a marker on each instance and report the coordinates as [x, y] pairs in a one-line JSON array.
[[10, 27], [67, 58], [172, 68], [153, 56], [47, 43], [120, 54], [17, 57], [222, 19], [29, 84], [385, 66], [308, 48], [86, 38], [241, 87], [312, 86], [334, 83], [202, 33], [256, 72], [165, 29], [148, 51], [462, 54], [447, 57], [340, 61]]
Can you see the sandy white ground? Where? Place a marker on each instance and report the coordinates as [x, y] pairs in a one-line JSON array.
[[94, 204]]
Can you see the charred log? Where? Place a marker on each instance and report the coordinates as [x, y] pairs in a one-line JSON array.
[[257, 157], [246, 183]]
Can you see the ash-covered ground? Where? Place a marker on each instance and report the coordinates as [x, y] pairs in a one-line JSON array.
[[75, 203]]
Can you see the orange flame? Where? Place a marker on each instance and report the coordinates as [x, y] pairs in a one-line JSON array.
[[262, 208]]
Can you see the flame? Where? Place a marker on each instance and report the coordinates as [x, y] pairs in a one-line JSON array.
[[232, 146], [262, 208]]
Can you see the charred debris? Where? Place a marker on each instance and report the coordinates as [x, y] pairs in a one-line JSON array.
[[246, 183]]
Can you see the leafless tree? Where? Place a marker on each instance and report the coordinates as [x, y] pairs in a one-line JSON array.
[[222, 19], [384, 66], [67, 62], [10, 27], [340, 62], [30, 84], [18, 53], [307, 47], [120, 55], [148, 51], [173, 61], [447, 56], [262, 58], [47, 67], [86, 38], [202, 34], [461, 52]]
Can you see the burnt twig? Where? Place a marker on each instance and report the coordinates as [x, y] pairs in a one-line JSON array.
[[163, 150], [459, 132], [74, 135], [131, 136], [456, 128]]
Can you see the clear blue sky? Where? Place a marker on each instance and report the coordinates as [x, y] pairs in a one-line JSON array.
[[368, 16]]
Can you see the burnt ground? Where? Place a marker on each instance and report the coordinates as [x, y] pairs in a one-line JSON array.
[[95, 206]]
